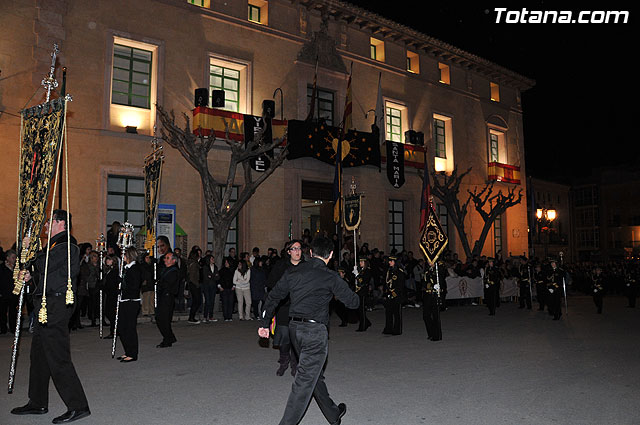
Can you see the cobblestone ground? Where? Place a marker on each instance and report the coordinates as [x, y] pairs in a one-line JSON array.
[[518, 367]]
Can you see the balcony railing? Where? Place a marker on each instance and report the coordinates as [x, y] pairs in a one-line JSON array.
[[503, 173]]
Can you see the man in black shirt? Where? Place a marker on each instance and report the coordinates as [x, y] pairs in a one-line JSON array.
[[311, 286], [167, 290]]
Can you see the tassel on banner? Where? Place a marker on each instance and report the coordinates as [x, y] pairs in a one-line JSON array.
[[42, 315], [69, 297]]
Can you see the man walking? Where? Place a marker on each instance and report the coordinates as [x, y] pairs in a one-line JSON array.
[[50, 347], [311, 286], [167, 290]]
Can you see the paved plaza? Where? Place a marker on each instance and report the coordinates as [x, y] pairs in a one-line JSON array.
[[518, 367]]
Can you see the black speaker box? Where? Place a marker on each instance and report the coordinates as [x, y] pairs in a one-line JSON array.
[[269, 108], [202, 97], [217, 98]]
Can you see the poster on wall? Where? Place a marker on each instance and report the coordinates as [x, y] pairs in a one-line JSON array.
[[166, 224]]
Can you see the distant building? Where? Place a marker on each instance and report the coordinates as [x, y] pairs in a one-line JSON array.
[[549, 238], [125, 57]]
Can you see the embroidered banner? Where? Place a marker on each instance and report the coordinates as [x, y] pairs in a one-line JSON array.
[[395, 163]]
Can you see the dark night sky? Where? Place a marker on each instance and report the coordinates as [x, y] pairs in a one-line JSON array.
[[578, 115]]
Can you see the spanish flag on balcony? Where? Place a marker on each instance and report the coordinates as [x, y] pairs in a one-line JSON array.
[[503, 173], [211, 121]]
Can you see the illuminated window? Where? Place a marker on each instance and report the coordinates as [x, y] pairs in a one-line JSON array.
[[495, 92], [377, 49], [444, 73], [413, 62], [258, 11], [200, 3], [497, 235], [494, 147], [233, 78], [394, 124], [396, 225], [443, 143], [131, 83], [324, 104]]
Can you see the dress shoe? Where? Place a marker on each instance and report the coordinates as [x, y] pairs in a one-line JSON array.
[[29, 409], [128, 359], [343, 409], [282, 368], [72, 415], [163, 345]]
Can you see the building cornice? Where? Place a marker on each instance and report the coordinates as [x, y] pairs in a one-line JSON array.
[[384, 28]]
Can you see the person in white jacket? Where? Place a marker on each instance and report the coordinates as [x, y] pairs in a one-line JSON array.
[[241, 282]]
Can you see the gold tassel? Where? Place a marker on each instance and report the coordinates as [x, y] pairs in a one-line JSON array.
[[69, 297], [42, 315], [17, 279]]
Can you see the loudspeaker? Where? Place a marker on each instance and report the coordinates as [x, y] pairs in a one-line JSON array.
[[269, 108], [201, 97], [414, 137], [217, 98]]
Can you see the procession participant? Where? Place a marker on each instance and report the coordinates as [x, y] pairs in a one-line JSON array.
[[430, 308], [50, 347], [491, 278], [554, 279], [393, 291], [597, 288], [130, 305], [292, 258], [363, 286], [111, 279], [541, 287], [521, 271], [167, 289], [311, 286]]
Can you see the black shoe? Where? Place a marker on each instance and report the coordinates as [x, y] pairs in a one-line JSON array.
[[72, 415], [163, 345], [29, 409], [343, 409], [283, 367]]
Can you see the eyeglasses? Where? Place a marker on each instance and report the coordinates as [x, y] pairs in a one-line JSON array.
[[297, 248]]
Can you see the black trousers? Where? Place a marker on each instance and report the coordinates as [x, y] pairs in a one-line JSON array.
[[310, 342], [8, 313], [196, 300], [541, 295], [127, 327], [431, 316], [491, 299], [227, 297], [525, 296], [392, 316], [51, 359], [632, 293], [164, 315], [93, 305], [363, 321], [554, 302], [598, 301]]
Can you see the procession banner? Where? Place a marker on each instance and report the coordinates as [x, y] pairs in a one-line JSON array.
[[352, 211], [468, 287], [395, 163], [152, 177]]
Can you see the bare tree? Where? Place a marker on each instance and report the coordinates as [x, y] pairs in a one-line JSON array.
[[217, 193], [447, 189]]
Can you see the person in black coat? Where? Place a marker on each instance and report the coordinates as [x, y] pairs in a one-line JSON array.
[[227, 290], [393, 291], [430, 308], [167, 289], [491, 277], [50, 346], [133, 275], [258, 282], [111, 279], [210, 278]]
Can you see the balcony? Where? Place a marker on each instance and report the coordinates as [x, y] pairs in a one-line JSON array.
[[503, 173]]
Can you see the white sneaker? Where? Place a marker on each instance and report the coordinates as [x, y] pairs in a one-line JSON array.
[[194, 322], [213, 320]]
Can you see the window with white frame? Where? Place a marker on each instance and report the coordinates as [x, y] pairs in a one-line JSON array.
[[258, 11], [443, 143], [325, 104]]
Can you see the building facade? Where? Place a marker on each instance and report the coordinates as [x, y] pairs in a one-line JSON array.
[[124, 58]]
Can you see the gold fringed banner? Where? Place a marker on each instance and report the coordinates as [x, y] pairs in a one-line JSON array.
[[152, 177], [41, 138]]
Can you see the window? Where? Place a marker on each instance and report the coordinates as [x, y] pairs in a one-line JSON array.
[[497, 235], [324, 104], [396, 225], [439, 138], [413, 62], [377, 49], [443, 216], [232, 235], [201, 3], [228, 79], [493, 147], [394, 124], [495, 92], [125, 200], [131, 83], [445, 77], [258, 11], [443, 140]]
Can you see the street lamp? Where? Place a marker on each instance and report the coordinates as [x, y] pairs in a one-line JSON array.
[[545, 218]]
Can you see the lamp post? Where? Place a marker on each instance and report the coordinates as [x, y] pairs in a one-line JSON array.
[[545, 218]]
